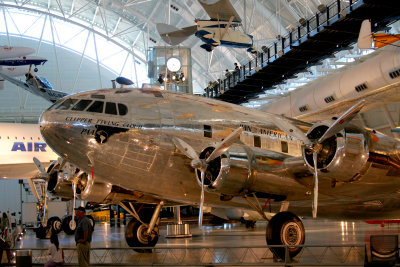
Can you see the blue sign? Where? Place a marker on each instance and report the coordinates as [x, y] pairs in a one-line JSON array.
[[36, 147]]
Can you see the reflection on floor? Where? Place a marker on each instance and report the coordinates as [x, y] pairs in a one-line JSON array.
[[318, 232]]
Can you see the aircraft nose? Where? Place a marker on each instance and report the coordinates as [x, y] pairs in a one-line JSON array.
[[48, 125]]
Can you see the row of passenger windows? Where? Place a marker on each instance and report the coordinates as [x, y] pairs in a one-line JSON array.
[[92, 106], [23, 138]]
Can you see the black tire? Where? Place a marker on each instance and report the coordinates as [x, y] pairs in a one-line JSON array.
[[136, 236], [54, 223], [285, 228], [41, 232], [250, 224], [66, 225]]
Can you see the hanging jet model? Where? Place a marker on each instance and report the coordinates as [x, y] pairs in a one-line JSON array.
[[163, 148], [220, 30]]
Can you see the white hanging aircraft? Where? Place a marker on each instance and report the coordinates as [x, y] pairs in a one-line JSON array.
[[11, 57], [164, 148], [218, 31]]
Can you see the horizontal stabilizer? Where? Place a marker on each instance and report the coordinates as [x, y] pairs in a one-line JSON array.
[[172, 35], [365, 37]]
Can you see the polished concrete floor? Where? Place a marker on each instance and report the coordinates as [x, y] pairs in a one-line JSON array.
[[318, 233]]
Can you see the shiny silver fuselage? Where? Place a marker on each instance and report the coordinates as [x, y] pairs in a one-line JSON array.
[[138, 154]]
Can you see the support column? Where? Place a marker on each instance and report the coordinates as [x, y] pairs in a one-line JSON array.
[[178, 228]]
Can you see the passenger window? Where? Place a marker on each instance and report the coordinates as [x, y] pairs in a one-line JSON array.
[[111, 108], [122, 109], [67, 104], [97, 106], [257, 141], [82, 104]]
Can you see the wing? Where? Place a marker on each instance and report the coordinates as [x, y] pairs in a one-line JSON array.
[[172, 35], [220, 10], [48, 94]]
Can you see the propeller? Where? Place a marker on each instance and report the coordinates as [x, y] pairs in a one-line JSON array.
[[42, 171], [316, 145], [202, 164]]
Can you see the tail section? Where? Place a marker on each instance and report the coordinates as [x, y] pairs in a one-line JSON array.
[[365, 37], [172, 35]]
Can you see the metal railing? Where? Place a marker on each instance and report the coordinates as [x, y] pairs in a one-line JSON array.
[[311, 255], [294, 37]]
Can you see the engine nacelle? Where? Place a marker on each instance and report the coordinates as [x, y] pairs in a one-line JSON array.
[[60, 187], [343, 156], [227, 174], [89, 190]]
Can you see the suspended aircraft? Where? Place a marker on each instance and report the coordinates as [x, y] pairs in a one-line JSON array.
[[36, 85], [220, 30], [163, 148], [11, 57], [366, 38], [375, 77]]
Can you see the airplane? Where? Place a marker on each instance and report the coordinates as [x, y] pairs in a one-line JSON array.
[[366, 38], [7, 53], [376, 78], [36, 85], [214, 32], [166, 148]]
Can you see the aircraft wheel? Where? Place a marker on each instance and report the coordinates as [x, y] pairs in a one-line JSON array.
[[68, 225], [250, 224], [55, 224], [136, 236], [285, 228], [40, 232]]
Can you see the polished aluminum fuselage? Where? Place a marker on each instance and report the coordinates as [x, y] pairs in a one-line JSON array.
[[139, 155]]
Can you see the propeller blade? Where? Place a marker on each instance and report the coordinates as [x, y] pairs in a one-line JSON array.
[[224, 145], [290, 129], [201, 200], [315, 191], [39, 166], [342, 121], [185, 148]]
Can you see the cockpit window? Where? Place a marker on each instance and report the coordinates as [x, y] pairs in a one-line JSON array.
[[111, 108], [122, 109], [97, 106], [82, 104], [67, 104]]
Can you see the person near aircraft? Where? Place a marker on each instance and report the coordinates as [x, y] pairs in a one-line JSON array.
[[4, 222], [56, 253], [13, 220], [83, 237]]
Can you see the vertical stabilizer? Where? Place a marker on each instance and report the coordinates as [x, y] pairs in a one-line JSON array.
[[365, 37]]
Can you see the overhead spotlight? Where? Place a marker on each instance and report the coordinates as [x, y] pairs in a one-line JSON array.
[[173, 77], [183, 77], [322, 8]]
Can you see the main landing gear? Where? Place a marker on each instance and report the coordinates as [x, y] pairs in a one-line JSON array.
[[142, 233], [285, 228]]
